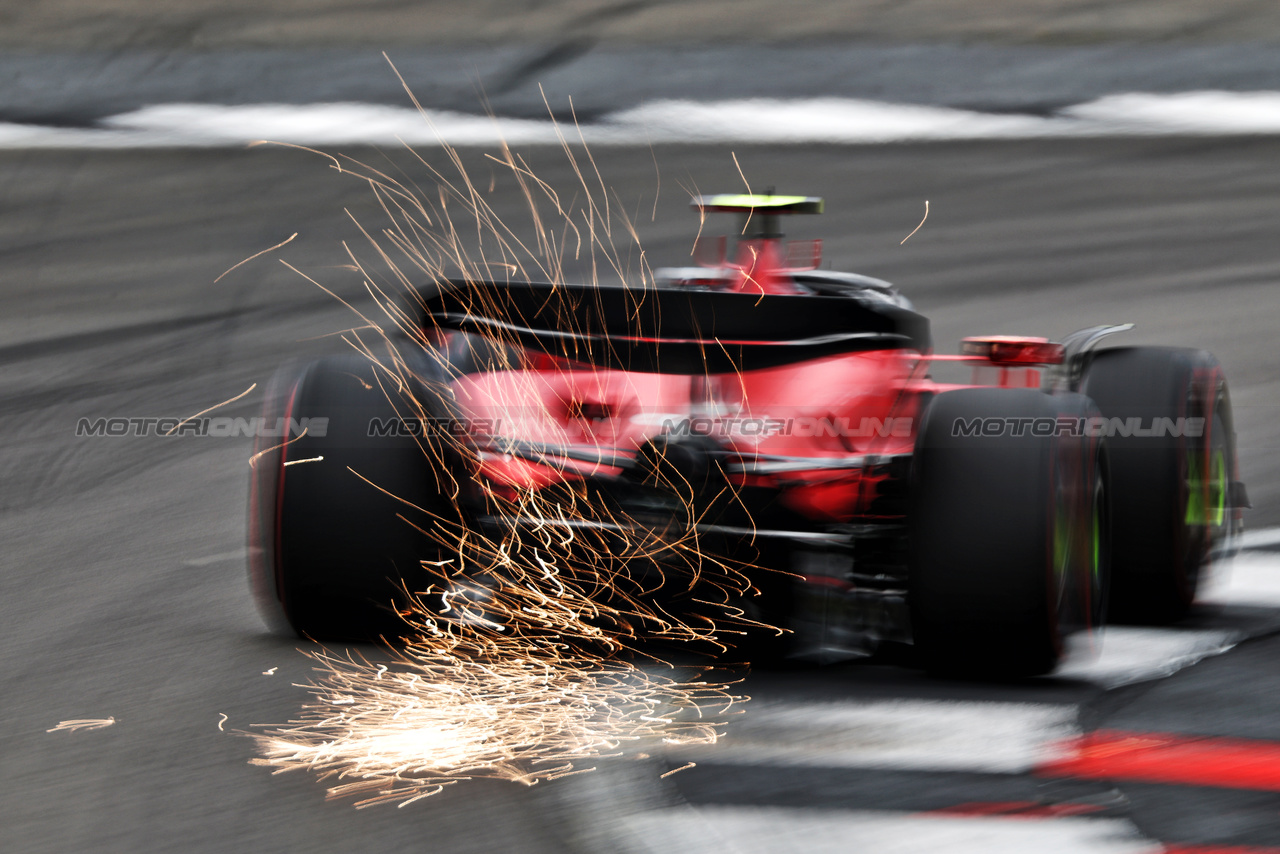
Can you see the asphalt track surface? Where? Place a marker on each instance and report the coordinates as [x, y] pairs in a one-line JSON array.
[[200, 25], [123, 576], [526, 80]]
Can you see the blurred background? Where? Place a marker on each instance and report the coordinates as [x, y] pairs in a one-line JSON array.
[[1056, 201]]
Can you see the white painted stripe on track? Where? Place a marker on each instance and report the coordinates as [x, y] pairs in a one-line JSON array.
[[761, 120], [908, 734], [778, 830], [1250, 578], [948, 735], [1130, 655], [939, 736], [1260, 539]]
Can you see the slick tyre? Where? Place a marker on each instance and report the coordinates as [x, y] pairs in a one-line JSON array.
[[339, 518], [1171, 490], [1008, 533]]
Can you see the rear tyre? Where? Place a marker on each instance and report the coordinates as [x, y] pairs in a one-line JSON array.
[[1170, 493], [1008, 533], [335, 516]]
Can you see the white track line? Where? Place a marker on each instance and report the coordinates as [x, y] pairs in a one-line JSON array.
[[1260, 539], [1130, 655], [979, 736], [776, 830], [935, 736], [916, 734], [761, 120], [1251, 578]]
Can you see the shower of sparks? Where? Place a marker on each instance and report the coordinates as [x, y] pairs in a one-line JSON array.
[[530, 652], [436, 718], [85, 723]]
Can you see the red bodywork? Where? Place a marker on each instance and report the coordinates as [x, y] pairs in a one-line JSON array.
[[834, 411]]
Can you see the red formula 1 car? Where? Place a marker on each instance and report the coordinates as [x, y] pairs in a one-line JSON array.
[[790, 418]]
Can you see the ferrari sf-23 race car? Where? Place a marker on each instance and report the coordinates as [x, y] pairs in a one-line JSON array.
[[788, 416]]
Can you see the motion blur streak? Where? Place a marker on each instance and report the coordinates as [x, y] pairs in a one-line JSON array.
[[1181, 759], [759, 120], [87, 723], [775, 830], [523, 656], [985, 737], [1018, 809], [1218, 849]]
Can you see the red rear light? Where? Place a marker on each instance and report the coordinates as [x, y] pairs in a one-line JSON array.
[[1013, 350]]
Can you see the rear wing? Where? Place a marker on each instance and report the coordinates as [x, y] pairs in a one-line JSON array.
[[764, 204], [759, 212], [669, 330]]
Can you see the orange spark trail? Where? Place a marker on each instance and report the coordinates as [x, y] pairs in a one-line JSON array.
[[528, 653]]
